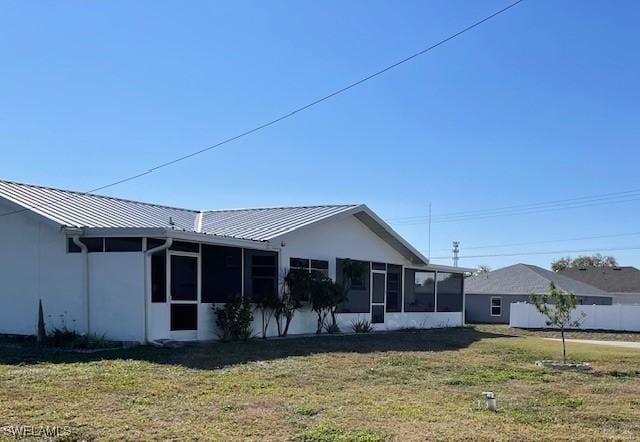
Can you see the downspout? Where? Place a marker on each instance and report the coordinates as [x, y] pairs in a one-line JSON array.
[[147, 287], [87, 293]]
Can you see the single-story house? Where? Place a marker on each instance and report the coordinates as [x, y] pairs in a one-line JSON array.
[[489, 295], [622, 283], [134, 271]]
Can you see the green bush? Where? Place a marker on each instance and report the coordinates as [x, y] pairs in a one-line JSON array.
[[361, 326], [332, 328], [62, 337], [234, 321]]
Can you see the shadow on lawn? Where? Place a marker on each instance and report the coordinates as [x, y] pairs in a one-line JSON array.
[[219, 355]]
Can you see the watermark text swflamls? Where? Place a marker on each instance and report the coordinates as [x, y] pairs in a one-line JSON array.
[[35, 431]]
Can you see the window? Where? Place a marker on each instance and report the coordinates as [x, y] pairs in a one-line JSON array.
[[419, 291], [181, 246], [309, 265], [449, 292], [377, 314], [123, 244], [184, 278], [184, 317], [358, 298], [378, 266], [496, 305], [261, 274], [159, 277], [319, 267], [360, 281], [377, 292], [394, 288], [99, 245], [94, 245], [221, 273]]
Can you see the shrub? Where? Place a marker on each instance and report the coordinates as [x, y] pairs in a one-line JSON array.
[[332, 328], [62, 337], [361, 326], [234, 321], [324, 295]]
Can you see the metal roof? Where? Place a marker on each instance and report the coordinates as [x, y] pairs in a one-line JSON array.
[[265, 223], [526, 279], [77, 209]]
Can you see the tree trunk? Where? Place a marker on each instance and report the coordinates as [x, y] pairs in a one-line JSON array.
[[279, 323], [564, 348], [287, 323]]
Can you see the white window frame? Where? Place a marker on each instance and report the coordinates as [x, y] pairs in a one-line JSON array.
[[491, 305]]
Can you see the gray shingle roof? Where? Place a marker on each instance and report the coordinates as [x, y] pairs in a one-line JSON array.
[[526, 279], [75, 209], [609, 279]]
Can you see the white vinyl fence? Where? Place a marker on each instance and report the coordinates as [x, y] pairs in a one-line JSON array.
[[598, 317]]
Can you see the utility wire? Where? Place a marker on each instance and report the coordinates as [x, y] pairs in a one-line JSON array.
[[519, 207], [548, 241], [550, 252], [525, 212], [295, 111]]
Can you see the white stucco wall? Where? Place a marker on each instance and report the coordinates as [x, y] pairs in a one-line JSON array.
[[117, 295], [34, 265]]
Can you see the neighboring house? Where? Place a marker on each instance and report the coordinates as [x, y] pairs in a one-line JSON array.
[[141, 272], [623, 283], [488, 296]]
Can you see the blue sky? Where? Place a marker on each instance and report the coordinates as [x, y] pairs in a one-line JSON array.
[[539, 104]]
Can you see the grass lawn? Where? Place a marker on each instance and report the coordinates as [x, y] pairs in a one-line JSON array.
[[420, 385]]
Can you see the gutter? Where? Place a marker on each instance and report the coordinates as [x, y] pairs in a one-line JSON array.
[[147, 288], [87, 294]]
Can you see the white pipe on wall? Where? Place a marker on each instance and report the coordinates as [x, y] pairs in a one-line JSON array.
[[87, 293]]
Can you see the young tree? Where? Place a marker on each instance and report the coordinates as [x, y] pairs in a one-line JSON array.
[[268, 306], [294, 291], [323, 293], [557, 307]]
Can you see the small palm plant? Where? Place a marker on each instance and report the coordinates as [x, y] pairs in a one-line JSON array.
[[557, 307]]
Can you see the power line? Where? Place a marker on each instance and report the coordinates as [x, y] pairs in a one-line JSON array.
[[524, 212], [548, 241], [550, 252], [295, 111], [520, 207]]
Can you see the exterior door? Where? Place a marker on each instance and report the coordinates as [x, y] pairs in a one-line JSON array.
[[378, 296], [184, 293]]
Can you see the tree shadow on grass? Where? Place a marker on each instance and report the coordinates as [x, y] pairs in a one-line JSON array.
[[219, 355]]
